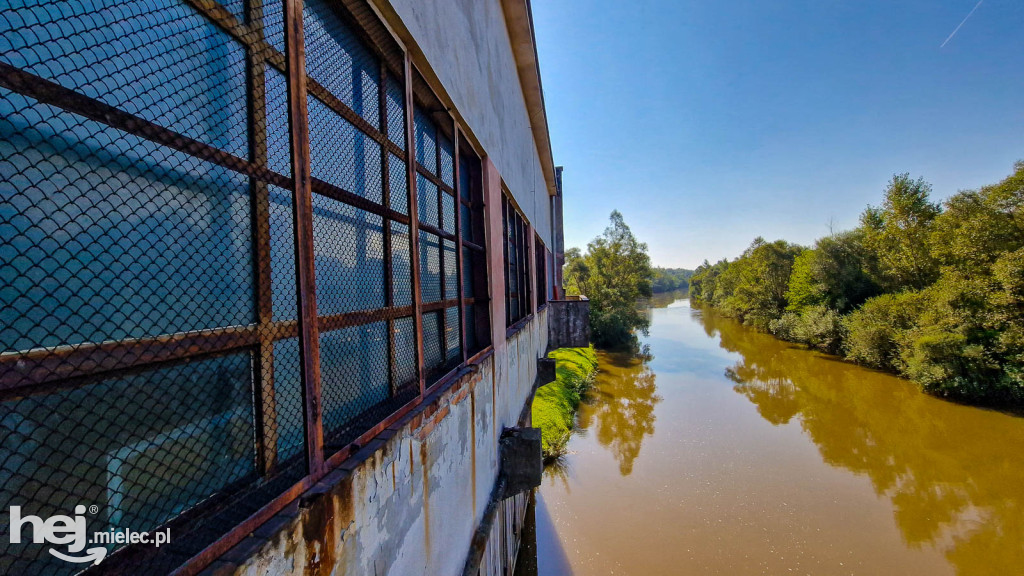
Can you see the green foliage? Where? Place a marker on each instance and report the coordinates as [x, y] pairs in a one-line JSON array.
[[934, 293], [877, 331], [614, 273], [670, 279], [897, 234], [804, 290], [753, 287], [817, 326], [555, 404], [704, 281]]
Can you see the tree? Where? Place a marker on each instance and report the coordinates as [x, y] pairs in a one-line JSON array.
[[754, 286], [614, 274], [837, 273], [703, 282], [898, 234]]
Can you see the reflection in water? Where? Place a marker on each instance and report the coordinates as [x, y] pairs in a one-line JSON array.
[[619, 410], [953, 474], [771, 459]]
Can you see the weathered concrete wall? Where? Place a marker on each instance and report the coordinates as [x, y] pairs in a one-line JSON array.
[[468, 47], [409, 501], [569, 323]]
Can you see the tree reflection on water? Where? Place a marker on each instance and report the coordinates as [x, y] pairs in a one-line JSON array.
[[954, 474], [619, 410]]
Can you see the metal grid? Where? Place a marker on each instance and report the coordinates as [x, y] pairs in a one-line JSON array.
[[518, 282], [540, 270], [212, 281]]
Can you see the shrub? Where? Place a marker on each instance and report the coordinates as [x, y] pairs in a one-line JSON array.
[[817, 326], [877, 331]]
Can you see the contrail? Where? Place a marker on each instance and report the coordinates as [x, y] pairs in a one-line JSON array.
[[957, 29]]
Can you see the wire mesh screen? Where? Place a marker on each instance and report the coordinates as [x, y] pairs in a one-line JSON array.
[[540, 270], [155, 328], [517, 263]]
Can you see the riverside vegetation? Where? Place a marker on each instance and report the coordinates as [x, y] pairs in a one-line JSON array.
[[933, 292], [614, 273], [555, 405]]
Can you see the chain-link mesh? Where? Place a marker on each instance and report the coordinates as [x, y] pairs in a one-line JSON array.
[[426, 201], [349, 248], [355, 377], [338, 61], [430, 267], [517, 263], [151, 362], [446, 161], [540, 270], [395, 112]]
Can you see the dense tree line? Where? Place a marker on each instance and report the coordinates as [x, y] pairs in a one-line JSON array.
[[614, 273], [670, 279], [934, 292]]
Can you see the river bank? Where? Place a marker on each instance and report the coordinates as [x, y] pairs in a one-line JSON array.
[[555, 404]]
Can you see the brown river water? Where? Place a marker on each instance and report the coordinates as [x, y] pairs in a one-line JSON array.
[[731, 452]]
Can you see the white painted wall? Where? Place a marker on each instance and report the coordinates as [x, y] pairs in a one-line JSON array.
[[468, 47]]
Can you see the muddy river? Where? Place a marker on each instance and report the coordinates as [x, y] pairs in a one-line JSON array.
[[731, 452]]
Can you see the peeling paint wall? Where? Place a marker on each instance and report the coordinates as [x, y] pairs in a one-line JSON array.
[[409, 501]]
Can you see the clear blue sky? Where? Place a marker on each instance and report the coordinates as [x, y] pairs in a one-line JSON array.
[[708, 123]]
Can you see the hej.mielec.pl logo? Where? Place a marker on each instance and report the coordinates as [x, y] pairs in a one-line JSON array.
[[70, 531]]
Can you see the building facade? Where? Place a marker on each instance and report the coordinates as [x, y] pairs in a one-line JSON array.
[[275, 279]]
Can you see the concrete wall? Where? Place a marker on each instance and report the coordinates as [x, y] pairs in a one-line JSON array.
[[569, 323], [408, 502], [467, 45]]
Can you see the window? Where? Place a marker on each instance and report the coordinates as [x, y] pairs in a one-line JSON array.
[[517, 263], [162, 257], [540, 270], [450, 214]]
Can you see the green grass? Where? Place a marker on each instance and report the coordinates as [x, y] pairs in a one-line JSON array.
[[554, 406]]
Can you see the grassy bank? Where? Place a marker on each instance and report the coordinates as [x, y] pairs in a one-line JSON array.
[[554, 407]]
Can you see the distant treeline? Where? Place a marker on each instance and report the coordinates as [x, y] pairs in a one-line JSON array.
[[932, 292], [670, 279]]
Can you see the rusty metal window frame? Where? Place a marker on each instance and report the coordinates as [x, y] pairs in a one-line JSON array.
[[518, 278], [540, 268], [45, 370]]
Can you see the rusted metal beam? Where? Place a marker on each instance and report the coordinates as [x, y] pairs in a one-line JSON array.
[[439, 305], [239, 532], [420, 169], [265, 413], [356, 201], [472, 246], [441, 251], [309, 336], [21, 371], [324, 95], [414, 222], [362, 317], [255, 41], [436, 231], [47, 92], [458, 243], [385, 174]]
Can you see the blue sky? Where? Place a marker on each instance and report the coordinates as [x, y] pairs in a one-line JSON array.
[[709, 123]]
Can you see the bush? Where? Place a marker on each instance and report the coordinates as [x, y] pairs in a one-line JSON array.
[[877, 331], [819, 327]]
